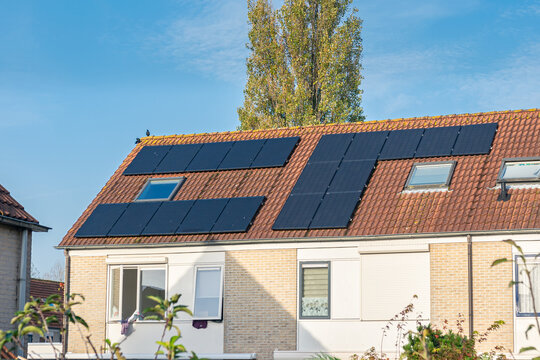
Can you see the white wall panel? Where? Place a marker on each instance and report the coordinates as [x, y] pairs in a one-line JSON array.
[[389, 282], [345, 284]]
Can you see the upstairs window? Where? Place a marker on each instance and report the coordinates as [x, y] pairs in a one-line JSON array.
[[160, 189], [525, 295], [520, 170], [315, 290], [430, 175], [208, 293]]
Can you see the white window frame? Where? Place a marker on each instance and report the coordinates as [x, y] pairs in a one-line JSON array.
[[518, 277], [300, 292], [517, 180], [220, 308], [446, 184], [181, 180], [138, 299]]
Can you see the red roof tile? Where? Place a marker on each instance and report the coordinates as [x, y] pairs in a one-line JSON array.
[[384, 209], [42, 289], [9, 207]]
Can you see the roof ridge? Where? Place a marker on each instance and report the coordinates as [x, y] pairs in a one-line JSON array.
[[425, 118]]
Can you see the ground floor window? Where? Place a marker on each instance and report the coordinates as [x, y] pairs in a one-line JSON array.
[[524, 294], [315, 290], [129, 288], [208, 293]]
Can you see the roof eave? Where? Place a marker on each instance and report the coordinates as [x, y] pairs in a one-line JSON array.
[[23, 224]]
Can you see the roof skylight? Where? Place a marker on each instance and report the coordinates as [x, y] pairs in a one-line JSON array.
[[160, 189], [520, 170], [430, 175]]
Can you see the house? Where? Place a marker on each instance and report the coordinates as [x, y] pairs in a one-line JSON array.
[[42, 289], [16, 227], [289, 242]]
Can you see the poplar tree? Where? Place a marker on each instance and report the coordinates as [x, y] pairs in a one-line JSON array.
[[304, 64]]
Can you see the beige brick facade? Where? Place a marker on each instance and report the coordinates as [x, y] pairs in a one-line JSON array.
[[260, 301], [492, 298], [88, 277]]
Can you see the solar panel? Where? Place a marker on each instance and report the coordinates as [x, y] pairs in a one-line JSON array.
[[147, 159], [178, 158], [475, 139], [352, 176], [238, 214], [209, 156], [168, 217], [134, 219], [335, 211], [437, 142], [241, 154], [331, 148], [101, 220], [401, 144], [297, 212], [275, 152], [315, 178], [366, 145], [202, 216]]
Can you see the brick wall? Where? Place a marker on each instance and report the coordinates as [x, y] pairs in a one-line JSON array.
[[492, 299], [88, 276], [260, 301], [10, 256]]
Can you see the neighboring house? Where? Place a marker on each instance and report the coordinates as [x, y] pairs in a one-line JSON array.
[[16, 226], [289, 242], [42, 289]]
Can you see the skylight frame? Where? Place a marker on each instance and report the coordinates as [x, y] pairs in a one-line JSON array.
[[444, 185], [181, 180], [517, 180]]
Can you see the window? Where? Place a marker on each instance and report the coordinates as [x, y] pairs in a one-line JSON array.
[[315, 290], [519, 170], [160, 189], [208, 293], [129, 288], [524, 300], [430, 175]]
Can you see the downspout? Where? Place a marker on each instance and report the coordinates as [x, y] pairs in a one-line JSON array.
[[23, 270], [470, 284], [65, 336]]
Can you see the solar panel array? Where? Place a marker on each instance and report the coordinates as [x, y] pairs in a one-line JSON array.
[[172, 217], [329, 188], [231, 155]]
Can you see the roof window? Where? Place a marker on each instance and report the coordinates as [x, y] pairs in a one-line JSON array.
[[520, 170], [160, 189], [430, 175]]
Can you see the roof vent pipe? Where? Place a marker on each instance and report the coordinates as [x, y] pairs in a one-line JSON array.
[[503, 195]]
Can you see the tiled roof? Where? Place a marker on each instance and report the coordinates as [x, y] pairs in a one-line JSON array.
[[42, 289], [385, 209], [9, 207]]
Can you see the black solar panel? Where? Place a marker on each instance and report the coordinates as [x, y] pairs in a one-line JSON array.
[[275, 152], [238, 214], [134, 219], [331, 148], [335, 211], [352, 176], [209, 156], [202, 216], [168, 217], [366, 146], [315, 178], [101, 220], [297, 212], [401, 144], [437, 142], [475, 139], [178, 158], [147, 159], [241, 154]]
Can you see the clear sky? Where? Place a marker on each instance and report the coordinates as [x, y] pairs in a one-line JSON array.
[[80, 80]]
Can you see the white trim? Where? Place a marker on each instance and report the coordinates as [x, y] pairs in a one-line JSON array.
[[132, 260], [370, 248], [183, 356]]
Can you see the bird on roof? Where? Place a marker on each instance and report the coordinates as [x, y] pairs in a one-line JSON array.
[[137, 140], [147, 132]]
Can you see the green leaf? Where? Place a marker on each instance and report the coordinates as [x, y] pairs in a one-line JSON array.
[[514, 244], [500, 261], [32, 329], [531, 326], [527, 348]]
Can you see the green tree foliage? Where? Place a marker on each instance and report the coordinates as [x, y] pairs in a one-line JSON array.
[[304, 66]]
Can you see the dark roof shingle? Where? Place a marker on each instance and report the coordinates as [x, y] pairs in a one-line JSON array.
[[9, 207]]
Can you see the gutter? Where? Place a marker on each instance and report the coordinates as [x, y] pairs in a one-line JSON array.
[[305, 239], [24, 224]]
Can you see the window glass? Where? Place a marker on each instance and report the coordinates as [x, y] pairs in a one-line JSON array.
[[525, 299], [521, 171], [430, 174], [129, 293], [152, 284], [208, 293], [160, 189], [315, 290], [115, 294]]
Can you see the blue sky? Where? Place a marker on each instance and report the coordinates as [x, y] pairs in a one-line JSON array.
[[80, 80]]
